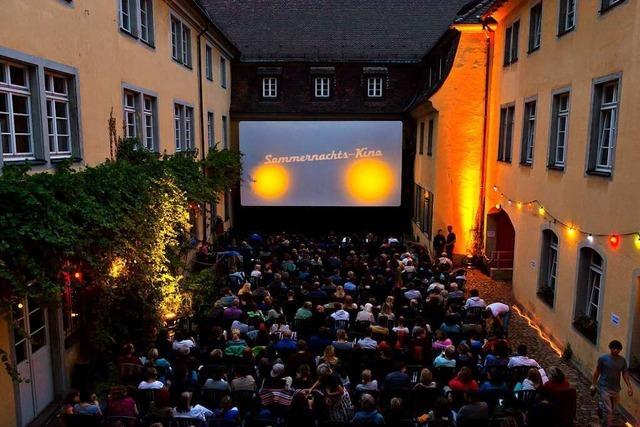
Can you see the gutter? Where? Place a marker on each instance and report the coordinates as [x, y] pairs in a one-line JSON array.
[[201, 107]]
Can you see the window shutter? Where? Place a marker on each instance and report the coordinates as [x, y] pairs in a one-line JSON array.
[[551, 158], [563, 16], [507, 46], [595, 128], [503, 113], [514, 43]]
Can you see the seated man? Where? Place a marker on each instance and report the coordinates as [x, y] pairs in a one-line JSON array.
[[397, 379], [340, 313], [367, 343], [521, 358], [454, 292], [446, 359], [368, 414], [474, 300], [474, 410], [286, 343], [412, 292], [304, 312]]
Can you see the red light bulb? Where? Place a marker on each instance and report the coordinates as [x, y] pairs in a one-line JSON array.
[[614, 240]]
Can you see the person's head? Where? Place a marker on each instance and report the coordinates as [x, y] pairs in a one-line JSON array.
[[72, 397], [615, 347], [153, 354], [341, 335], [463, 349], [534, 376], [440, 231], [522, 350], [465, 375], [367, 402], [450, 352], [304, 371], [338, 306], [151, 374], [287, 334], [556, 375], [440, 335], [329, 353], [366, 376], [128, 349], [426, 377], [396, 404], [307, 305], [449, 228], [117, 392], [216, 354]]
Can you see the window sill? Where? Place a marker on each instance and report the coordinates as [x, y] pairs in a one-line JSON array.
[[605, 174], [532, 50], [149, 44], [182, 63], [611, 6], [565, 31], [210, 79], [526, 164], [34, 162], [555, 168], [64, 159], [590, 335], [223, 86], [508, 162], [128, 33]]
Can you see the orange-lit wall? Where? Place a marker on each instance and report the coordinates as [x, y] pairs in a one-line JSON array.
[[453, 173]]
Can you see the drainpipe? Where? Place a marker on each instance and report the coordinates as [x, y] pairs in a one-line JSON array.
[[483, 179], [201, 107]]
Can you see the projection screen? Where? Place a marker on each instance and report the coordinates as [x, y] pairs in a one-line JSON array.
[[321, 163]]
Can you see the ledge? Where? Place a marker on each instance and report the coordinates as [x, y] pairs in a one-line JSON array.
[[64, 159], [35, 162], [604, 174]]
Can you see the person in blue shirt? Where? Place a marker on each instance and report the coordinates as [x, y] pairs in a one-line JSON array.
[[286, 343], [368, 414]]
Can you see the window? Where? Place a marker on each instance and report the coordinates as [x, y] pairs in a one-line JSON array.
[[136, 18], [225, 136], [423, 209], [127, 15], [140, 118], [15, 112], [374, 87], [511, 43], [589, 289], [567, 19], [208, 62], [58, 123], [603, 127], [535, 27], [146, 22], [322, 87], [528, 133], [634, 345], [506, 133], [180, 42], [211, 129], [148, 114], [608, 4], [130, 128], [559, 131], [270, 87], [223, 72], [430, 138], [548, 267], [421, 138], [183, 127]]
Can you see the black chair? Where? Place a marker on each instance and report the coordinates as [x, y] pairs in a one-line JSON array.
[[457, 399], [341, 324], [126, 421], [443, 374], [414, 372], [129, 373], [423, 399], [78, 420], [522, 399], [517, 374], [145, 397], [185, 422], [211, 398], [246, 400]]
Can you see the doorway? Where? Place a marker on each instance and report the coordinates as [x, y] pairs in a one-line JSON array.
[[501, 236]]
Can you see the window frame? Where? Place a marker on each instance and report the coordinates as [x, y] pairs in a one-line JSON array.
[[430, 137], [373, 91], [505, 135], [535, 27], [149, 24], [211, 129], [321, 94], [150, 132], [563, 15], [549, 261], [556, 115], [527, 147], [11, 90], [58, 97], [607, 5], [511, 45], [225, 132], [208, 61], [594, 146], [142, 115], [223, 72], [585, 291], [131, 13], [183, 126], [269, 87], [180, 47], [421, 138]]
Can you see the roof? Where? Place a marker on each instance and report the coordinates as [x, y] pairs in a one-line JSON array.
[[475, 11], [333, 30]]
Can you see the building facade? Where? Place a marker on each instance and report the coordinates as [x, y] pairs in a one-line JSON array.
[[160, 68], [548, 143]]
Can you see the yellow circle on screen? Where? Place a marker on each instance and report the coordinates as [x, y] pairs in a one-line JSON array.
[[369, 180], [270, 181]]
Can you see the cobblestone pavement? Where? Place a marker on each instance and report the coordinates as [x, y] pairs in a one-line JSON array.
[[521, 332]]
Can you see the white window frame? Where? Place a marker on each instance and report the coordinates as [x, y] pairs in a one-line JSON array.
[[208, 62], [536, 31], [148, 118], [180, 40], [552, 262], [178, 113], [529, 131], [568, 15], [560, 135], [595, 276], [186, 45], [211, 129], [130, 114], [322, 87], [188, 128], [505, 137], [374, 87], [607, 121], [183, 126], [127, 12], [11, 90], [270, 87], [512, 42], [52, 99], [145, 12]]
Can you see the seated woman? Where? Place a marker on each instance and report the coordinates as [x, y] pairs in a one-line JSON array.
[[150, 380], [446, 359], [88, 404], [329, 357], [426, 380], [367, 383], [532, 382], [557, 380], [70, 400], [441, 342], [119, 404], [368, 413], [303, 379], [161, 364], [499, 356], [226, 411], [341, 342], [184, 409], [160, 407], [463, 381], [235, 345], [218, 381]]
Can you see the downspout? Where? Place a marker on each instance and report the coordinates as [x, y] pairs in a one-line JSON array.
[[483, 178], [201, 107]]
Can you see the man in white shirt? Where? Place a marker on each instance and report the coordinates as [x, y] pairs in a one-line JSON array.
[[256, 271], [500, 312], [340, 314], [521, 359], [367, 343]]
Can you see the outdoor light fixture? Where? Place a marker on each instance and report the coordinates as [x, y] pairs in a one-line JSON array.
[[590, 238]]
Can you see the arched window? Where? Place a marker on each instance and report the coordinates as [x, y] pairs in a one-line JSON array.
[[548, 267], [589, 289]]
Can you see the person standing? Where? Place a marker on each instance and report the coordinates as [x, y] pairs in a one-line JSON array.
[[438, 243], [606, 380], [451, 241]]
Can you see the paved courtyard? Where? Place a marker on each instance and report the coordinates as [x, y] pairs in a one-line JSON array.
[[521, 332]]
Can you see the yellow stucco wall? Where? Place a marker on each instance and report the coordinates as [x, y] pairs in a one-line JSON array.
[[600, 45], [8, 417], [453, 172]]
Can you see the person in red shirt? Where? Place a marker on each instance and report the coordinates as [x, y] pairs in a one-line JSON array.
[[557, 380], [119, 404], [463, 381]]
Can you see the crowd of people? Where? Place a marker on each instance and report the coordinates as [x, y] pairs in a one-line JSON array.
[[333, 331]]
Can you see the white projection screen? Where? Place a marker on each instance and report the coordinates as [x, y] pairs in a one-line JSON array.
[[321, 163]]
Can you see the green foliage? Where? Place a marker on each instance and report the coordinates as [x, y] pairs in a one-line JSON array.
[[132, 212]]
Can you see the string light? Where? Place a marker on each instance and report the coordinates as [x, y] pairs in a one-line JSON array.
[[613, 238], [498, 206], [538, 330]]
